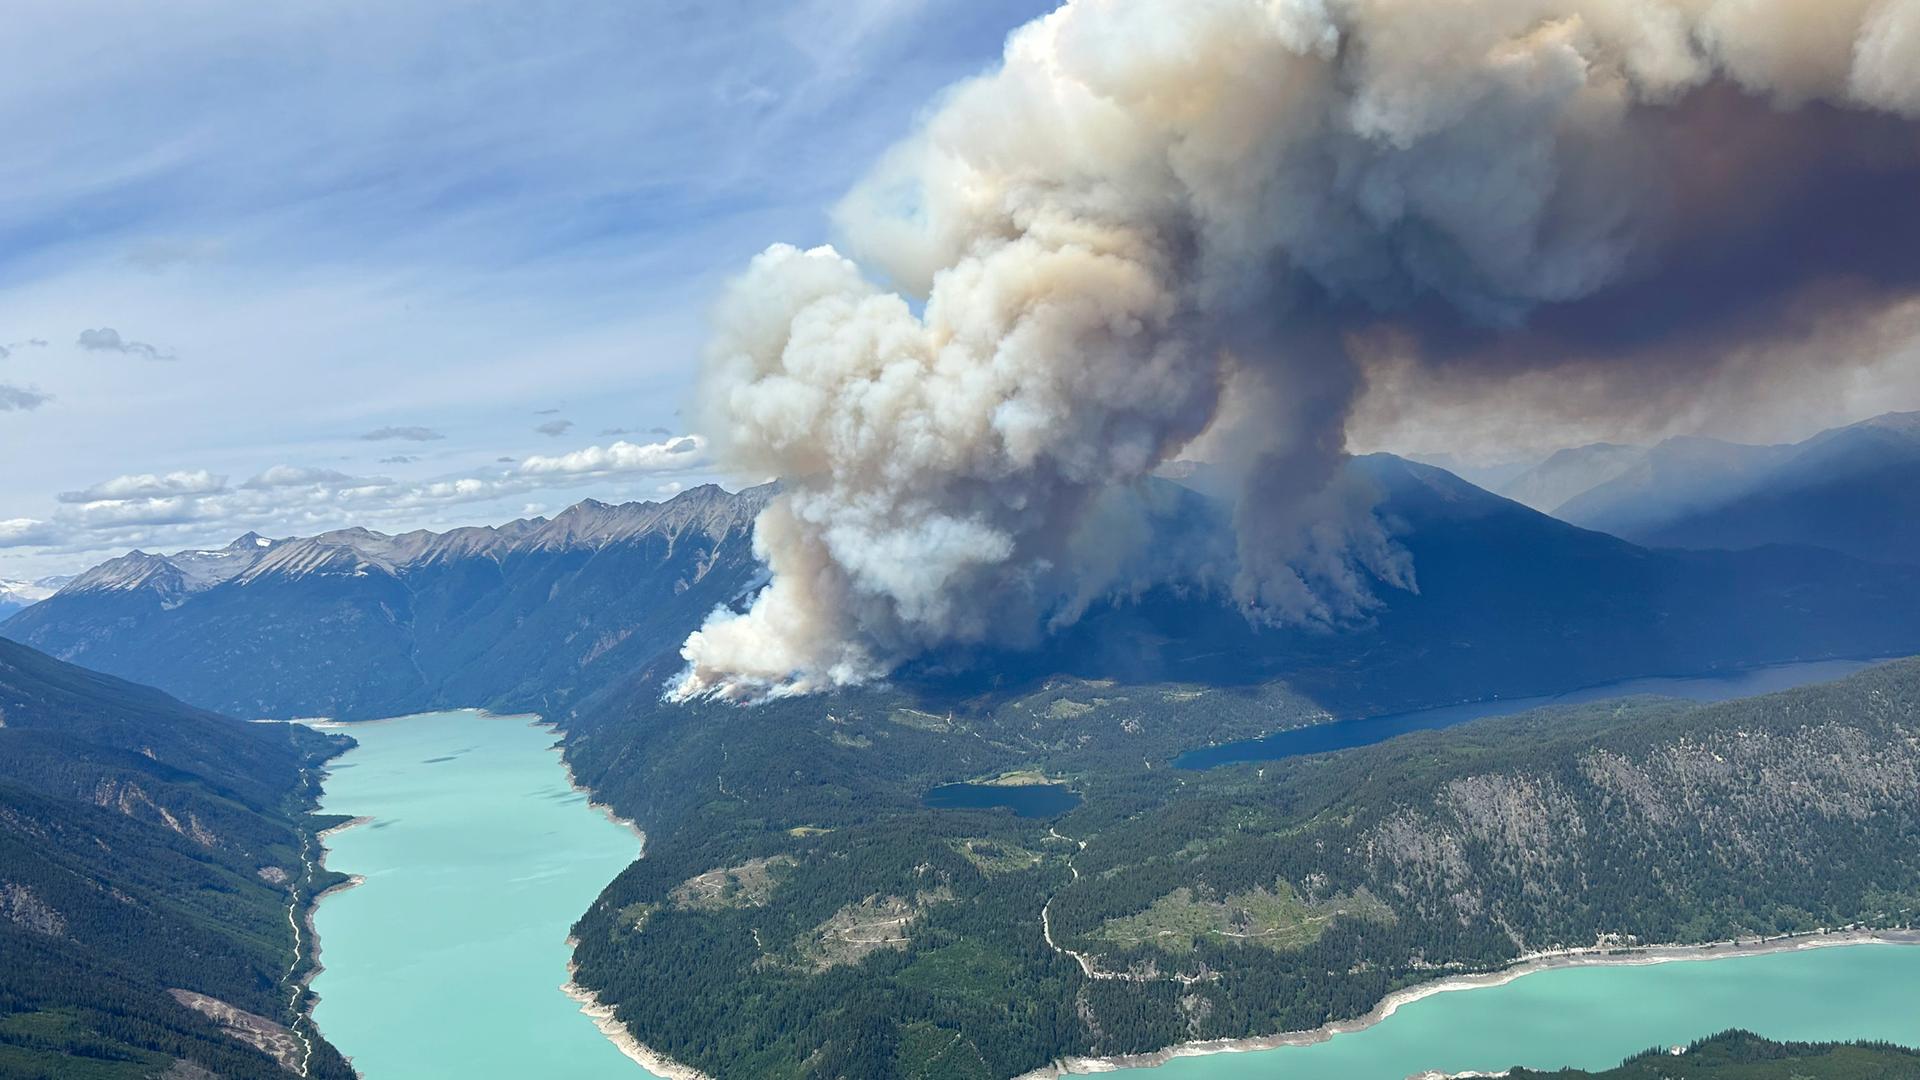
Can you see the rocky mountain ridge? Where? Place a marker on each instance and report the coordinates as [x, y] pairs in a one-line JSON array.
[[357, 623]]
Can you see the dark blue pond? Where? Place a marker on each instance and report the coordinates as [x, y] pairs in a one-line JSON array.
[[1346, 734], [1025, 800]]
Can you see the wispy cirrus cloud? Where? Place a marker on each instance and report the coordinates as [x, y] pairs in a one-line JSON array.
[[7, 350], [410, 434]]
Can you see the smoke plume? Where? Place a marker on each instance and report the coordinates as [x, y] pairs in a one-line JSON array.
[[1168, 227]]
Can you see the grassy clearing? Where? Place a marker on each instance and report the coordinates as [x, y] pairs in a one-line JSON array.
[[920, 721], [1019, 778], [1280, 919]]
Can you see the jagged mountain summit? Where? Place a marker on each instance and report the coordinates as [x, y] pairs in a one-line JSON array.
[[357, 623], [589, 524]]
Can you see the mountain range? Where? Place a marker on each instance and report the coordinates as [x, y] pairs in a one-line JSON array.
[[1854, 489], [15, 595], [542, 614], [356, 624]]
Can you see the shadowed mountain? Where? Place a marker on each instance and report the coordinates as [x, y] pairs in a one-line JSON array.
[[1567, 473], [1493, 477], [1854, 489], [149, 852], [1509, 602]]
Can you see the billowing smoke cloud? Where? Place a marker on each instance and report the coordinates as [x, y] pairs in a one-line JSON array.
[[1196, 226]]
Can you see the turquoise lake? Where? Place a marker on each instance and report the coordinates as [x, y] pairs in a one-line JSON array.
[[448, 961], [1593, 1017]]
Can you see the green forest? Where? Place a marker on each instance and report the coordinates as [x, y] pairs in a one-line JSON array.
[[1742, 1055], [878, 937], [149, 853]]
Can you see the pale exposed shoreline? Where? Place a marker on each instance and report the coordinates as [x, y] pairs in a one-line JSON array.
[[1608, 956], [322, 835], [600, 1013], [603, 1018], [314, 964]]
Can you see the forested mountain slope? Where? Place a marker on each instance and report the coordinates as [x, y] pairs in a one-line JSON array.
[[868, 933], [149, 856]]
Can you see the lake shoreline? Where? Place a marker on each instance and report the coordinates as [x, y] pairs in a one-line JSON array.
[[591, 1006], [618, 1034], [354, 881], [606, 809], [1588, 956], [309, 999]]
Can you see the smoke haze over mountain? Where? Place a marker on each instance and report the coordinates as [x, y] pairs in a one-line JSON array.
[[1206, 229]]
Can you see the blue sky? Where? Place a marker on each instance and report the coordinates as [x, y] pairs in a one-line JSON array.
[[236, 239]]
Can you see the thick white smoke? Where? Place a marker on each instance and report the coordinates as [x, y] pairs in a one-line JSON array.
[[1155, 224]]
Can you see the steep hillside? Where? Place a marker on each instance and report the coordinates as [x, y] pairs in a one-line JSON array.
[[356, 624], [150, 854], [868, 935]]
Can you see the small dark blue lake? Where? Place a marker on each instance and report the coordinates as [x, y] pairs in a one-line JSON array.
[[1347, 734], [1025, 800]]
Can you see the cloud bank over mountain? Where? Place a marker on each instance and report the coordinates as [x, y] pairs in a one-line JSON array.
[[1207, 228], [186, 506]]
